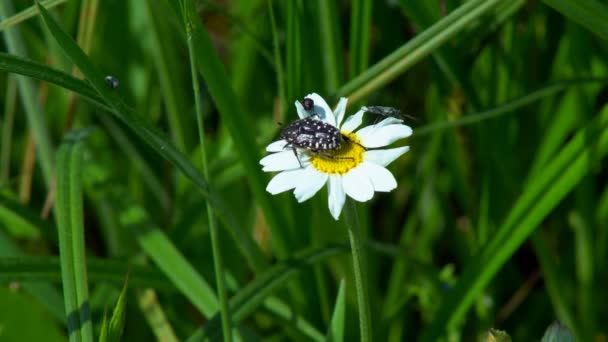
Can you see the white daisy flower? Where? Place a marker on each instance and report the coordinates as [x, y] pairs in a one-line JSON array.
[[357, 168]]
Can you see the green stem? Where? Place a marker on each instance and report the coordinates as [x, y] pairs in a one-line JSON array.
[[354, 233], [218, 263]]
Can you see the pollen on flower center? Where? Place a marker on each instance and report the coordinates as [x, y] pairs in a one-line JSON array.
[[349, 155]]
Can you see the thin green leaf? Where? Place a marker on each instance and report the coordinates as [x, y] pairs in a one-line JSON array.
[[27, 13], [331, 43], [47, 269], [591, 14], [22, 66], [336, 326], [416, 49], [29, 99], [170, 260], [233, 116], [360, 21], [508, 107], [119, 315], [71, 240]]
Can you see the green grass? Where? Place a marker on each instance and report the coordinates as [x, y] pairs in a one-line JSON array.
[[148, 202]]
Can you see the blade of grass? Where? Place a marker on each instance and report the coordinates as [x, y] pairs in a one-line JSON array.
[[360, 271], [508, 107], [7, 129], [168, 84], [541, 195], [415, 50], [283, 312], [591, 14], [19, 65], [155, 139], [553, 283], [360, 21], [336, 326], [169, 259], [71, 240], [43, 292], [224, 98], [155, 315], [218, 262], [278, 61], [329, 21], [27, 13], [29, 98], [47, 268]]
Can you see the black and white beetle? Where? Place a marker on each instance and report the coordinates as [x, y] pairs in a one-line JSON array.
[[313, 135]]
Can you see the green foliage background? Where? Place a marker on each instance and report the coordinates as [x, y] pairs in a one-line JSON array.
[[500, 218]]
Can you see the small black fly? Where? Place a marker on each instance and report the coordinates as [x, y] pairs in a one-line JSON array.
[[312, 135], [112, 82], [308, 104]]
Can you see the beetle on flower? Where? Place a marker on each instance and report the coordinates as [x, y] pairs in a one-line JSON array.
[[356, 168]]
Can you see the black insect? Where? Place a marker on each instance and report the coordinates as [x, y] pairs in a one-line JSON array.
[[308, 104], [385, 111], [112, 82], [312, 135]]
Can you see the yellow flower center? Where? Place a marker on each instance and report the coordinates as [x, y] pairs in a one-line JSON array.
[[342, 160]]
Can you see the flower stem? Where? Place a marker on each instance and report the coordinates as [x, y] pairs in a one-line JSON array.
[[218, 263], [354, 233]]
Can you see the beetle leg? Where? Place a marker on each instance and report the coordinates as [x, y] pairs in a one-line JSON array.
[[354, 142], [295, 153]]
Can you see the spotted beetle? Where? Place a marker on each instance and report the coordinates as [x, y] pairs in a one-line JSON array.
[[313, 135]]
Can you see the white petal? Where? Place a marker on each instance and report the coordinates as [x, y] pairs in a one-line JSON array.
[[280, 161], [385, 157], [383, 136], [381, 178], [340, 110], [353, 121], [336, 195], [284, 181], [302, 113], [276, 146], [322, 109], [311, 181], [357, 185]]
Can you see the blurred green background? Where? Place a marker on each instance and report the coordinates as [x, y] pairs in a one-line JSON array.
[[500, 219]]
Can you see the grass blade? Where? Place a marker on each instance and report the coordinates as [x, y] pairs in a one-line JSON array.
[[360, 21], [71, 240], [27, 13], [21, 66], [218, 262], [415, 50], [170, 260], [591, 14], [336, 326], [226, 101], [29, 99]]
